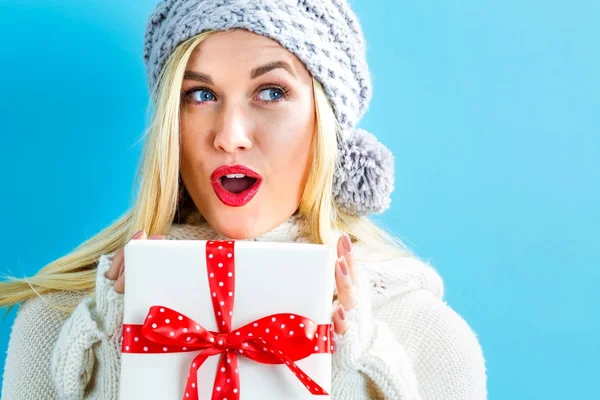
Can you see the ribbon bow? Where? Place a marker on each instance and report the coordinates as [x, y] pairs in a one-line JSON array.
[[275, 339]]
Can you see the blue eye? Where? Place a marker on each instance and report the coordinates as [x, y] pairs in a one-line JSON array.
[[204, 95], [273, 94]]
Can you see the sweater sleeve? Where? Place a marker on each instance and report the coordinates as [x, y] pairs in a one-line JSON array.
[[86, 356], [34, 331], [414, 347]]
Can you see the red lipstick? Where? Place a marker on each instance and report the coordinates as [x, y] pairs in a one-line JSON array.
[[228, 197]]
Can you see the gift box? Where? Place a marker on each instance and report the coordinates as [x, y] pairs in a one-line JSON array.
[[226, 320]]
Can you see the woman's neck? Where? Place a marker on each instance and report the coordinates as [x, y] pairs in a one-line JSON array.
[[195, 227]]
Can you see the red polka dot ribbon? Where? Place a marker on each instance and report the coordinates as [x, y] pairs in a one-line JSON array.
[[275, 339]]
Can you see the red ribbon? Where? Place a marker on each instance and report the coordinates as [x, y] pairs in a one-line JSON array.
[[274, 339]]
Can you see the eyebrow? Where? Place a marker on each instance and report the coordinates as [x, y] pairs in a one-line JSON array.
[[256, 72]]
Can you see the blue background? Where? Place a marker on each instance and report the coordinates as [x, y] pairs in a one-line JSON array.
[[492, 109]]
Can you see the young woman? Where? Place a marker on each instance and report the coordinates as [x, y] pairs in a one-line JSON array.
[[254, 137]]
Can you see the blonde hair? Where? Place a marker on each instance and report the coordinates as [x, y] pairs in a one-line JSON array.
[[161, 198]]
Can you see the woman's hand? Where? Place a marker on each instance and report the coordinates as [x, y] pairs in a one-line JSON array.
[[345, 279], [117, 267]]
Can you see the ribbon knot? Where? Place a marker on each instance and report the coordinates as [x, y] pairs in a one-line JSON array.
[[221, 341]]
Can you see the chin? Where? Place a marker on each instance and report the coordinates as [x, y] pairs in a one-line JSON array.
[[248, 221], [236, 232], [238, 224]]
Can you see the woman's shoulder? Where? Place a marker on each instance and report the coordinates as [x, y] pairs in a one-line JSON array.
[[395, 274], [34, 333], [48, 311], [37, 324]]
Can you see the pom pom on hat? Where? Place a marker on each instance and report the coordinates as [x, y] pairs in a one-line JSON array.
[[364, 176]]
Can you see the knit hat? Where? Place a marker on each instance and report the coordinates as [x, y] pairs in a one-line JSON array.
[[326, 36]]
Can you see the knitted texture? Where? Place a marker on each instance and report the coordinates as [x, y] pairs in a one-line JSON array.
[[446, 356], [365, 176], [35, 330], [403, 341], [326, 36], [90, 338], [385, 362]]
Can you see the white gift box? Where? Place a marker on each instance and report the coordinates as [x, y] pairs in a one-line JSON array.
[[270, 278]]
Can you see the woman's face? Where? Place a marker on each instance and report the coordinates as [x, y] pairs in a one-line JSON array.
[[246, 101]]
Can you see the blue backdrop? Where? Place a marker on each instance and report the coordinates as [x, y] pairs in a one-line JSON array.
[[492, 109]]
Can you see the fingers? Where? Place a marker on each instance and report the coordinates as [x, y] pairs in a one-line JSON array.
[[115, 266], [340, 325], [120, 284], [117, 262], [345, 274], [345, 287], [344, 248]]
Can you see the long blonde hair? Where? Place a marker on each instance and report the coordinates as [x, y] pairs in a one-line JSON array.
[[161, 198]]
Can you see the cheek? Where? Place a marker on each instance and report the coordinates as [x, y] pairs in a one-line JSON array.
[[188, 152], [289, 154], [293, 129], [192, 148]]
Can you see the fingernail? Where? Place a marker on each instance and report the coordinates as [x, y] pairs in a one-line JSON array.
[[122, 269], [159, 237], [346, 242], [343, 265], [342, 313], [137, 234]]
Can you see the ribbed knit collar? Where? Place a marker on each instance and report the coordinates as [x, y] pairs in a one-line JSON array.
[[196, 227]]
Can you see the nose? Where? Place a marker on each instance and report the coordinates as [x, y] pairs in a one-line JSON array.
[[233, 131]]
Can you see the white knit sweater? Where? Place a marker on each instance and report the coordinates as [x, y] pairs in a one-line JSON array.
[[404, 342]]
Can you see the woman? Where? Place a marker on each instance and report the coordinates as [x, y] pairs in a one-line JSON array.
[[253, 138]]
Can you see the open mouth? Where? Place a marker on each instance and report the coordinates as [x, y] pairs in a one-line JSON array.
[[237, 183]]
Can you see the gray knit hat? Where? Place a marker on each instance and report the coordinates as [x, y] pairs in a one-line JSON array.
[[326, 36]]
